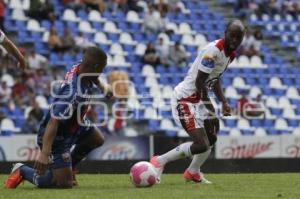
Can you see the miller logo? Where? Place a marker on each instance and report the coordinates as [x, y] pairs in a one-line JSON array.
[[120, 151], [294, 150], [251, 150]]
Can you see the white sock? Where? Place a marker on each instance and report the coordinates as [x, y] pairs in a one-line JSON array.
[[179, 152], [198, 161]]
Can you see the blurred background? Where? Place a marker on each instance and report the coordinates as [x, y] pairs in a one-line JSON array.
[[150, 46]]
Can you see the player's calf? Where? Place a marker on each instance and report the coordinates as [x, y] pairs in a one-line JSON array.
[[200, 141]]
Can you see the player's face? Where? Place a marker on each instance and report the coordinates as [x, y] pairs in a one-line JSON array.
[[95, 71], [233, 38]]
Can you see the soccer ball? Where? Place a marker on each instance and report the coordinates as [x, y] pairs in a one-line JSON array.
[[143, 174]]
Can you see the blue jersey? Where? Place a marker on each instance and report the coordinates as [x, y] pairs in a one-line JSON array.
[[64, 108]]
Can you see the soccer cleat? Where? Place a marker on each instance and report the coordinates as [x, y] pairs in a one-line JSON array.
[[197, 177], [158, 167], [15, 177], [74, 172]]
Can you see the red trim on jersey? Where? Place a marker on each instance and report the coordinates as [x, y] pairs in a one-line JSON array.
[[194, 98], [186, 118], [220, 45], [73, 71]]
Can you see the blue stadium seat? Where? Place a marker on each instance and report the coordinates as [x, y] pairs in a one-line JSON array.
[[153, 125], [273, 131], [256, 123], [82, 14], [170, 133], [231, 123]]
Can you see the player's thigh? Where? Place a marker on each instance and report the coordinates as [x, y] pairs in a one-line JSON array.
[[63, 177], [91, 136], [191, 118]]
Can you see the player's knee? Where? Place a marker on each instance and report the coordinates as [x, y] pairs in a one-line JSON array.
[[98, 139], [197, 147], [99, 142]]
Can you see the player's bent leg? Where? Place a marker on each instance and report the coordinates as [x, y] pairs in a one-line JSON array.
[[201, 150], [200, 141], [21, 172], [89, 141], [86, 143], [63, 178]]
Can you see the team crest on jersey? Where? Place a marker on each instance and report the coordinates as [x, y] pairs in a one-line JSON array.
[[208, 62]]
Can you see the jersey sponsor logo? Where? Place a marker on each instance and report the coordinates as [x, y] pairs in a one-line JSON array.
[[208, 62]]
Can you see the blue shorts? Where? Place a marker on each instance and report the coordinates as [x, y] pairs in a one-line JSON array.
[[60, 156]]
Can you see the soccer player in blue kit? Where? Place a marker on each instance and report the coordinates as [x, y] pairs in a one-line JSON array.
[[65, 125]]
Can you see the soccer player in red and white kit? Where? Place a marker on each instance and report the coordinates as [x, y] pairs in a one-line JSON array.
[[192, 108]]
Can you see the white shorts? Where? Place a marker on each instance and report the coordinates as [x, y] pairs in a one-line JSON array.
[[189, 115]]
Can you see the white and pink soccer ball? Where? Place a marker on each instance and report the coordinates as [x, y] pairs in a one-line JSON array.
[[143, 174]]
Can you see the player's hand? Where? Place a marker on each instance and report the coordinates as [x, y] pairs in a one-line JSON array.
[[41, 163], [108, 92], [226, 110], [22, 64]]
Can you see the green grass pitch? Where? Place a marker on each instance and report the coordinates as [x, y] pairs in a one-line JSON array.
[[229, 186]]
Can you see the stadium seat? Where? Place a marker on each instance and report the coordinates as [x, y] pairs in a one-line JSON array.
[[148, 70], [276, 83], [184, 28], [238, 82], [166, 124], [150, 113], [151, 81], [33, 25], [125, 38], [95, 16], [167, 92], [235, 132], [8, 79], [231, 92], [281, 124], [70, 15], [284, 102], [243, 124], [140, 49], [292, 93], [260, 132], [42, 102], [116, 49], [272, 102], [110, 27], [243, 61], [100, 38], [8, 125], [182, 133], [85, 26], [18, 14], [133, 17]]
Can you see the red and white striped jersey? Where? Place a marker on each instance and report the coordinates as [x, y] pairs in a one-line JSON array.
[[212, 60]]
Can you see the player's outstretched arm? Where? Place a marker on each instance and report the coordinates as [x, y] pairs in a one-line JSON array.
[[226, 110], [12, 49], [41, 163], [202, 90], [105, 88]]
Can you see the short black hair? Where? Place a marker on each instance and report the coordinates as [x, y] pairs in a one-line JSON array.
[[236, 22], [95, 56]]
